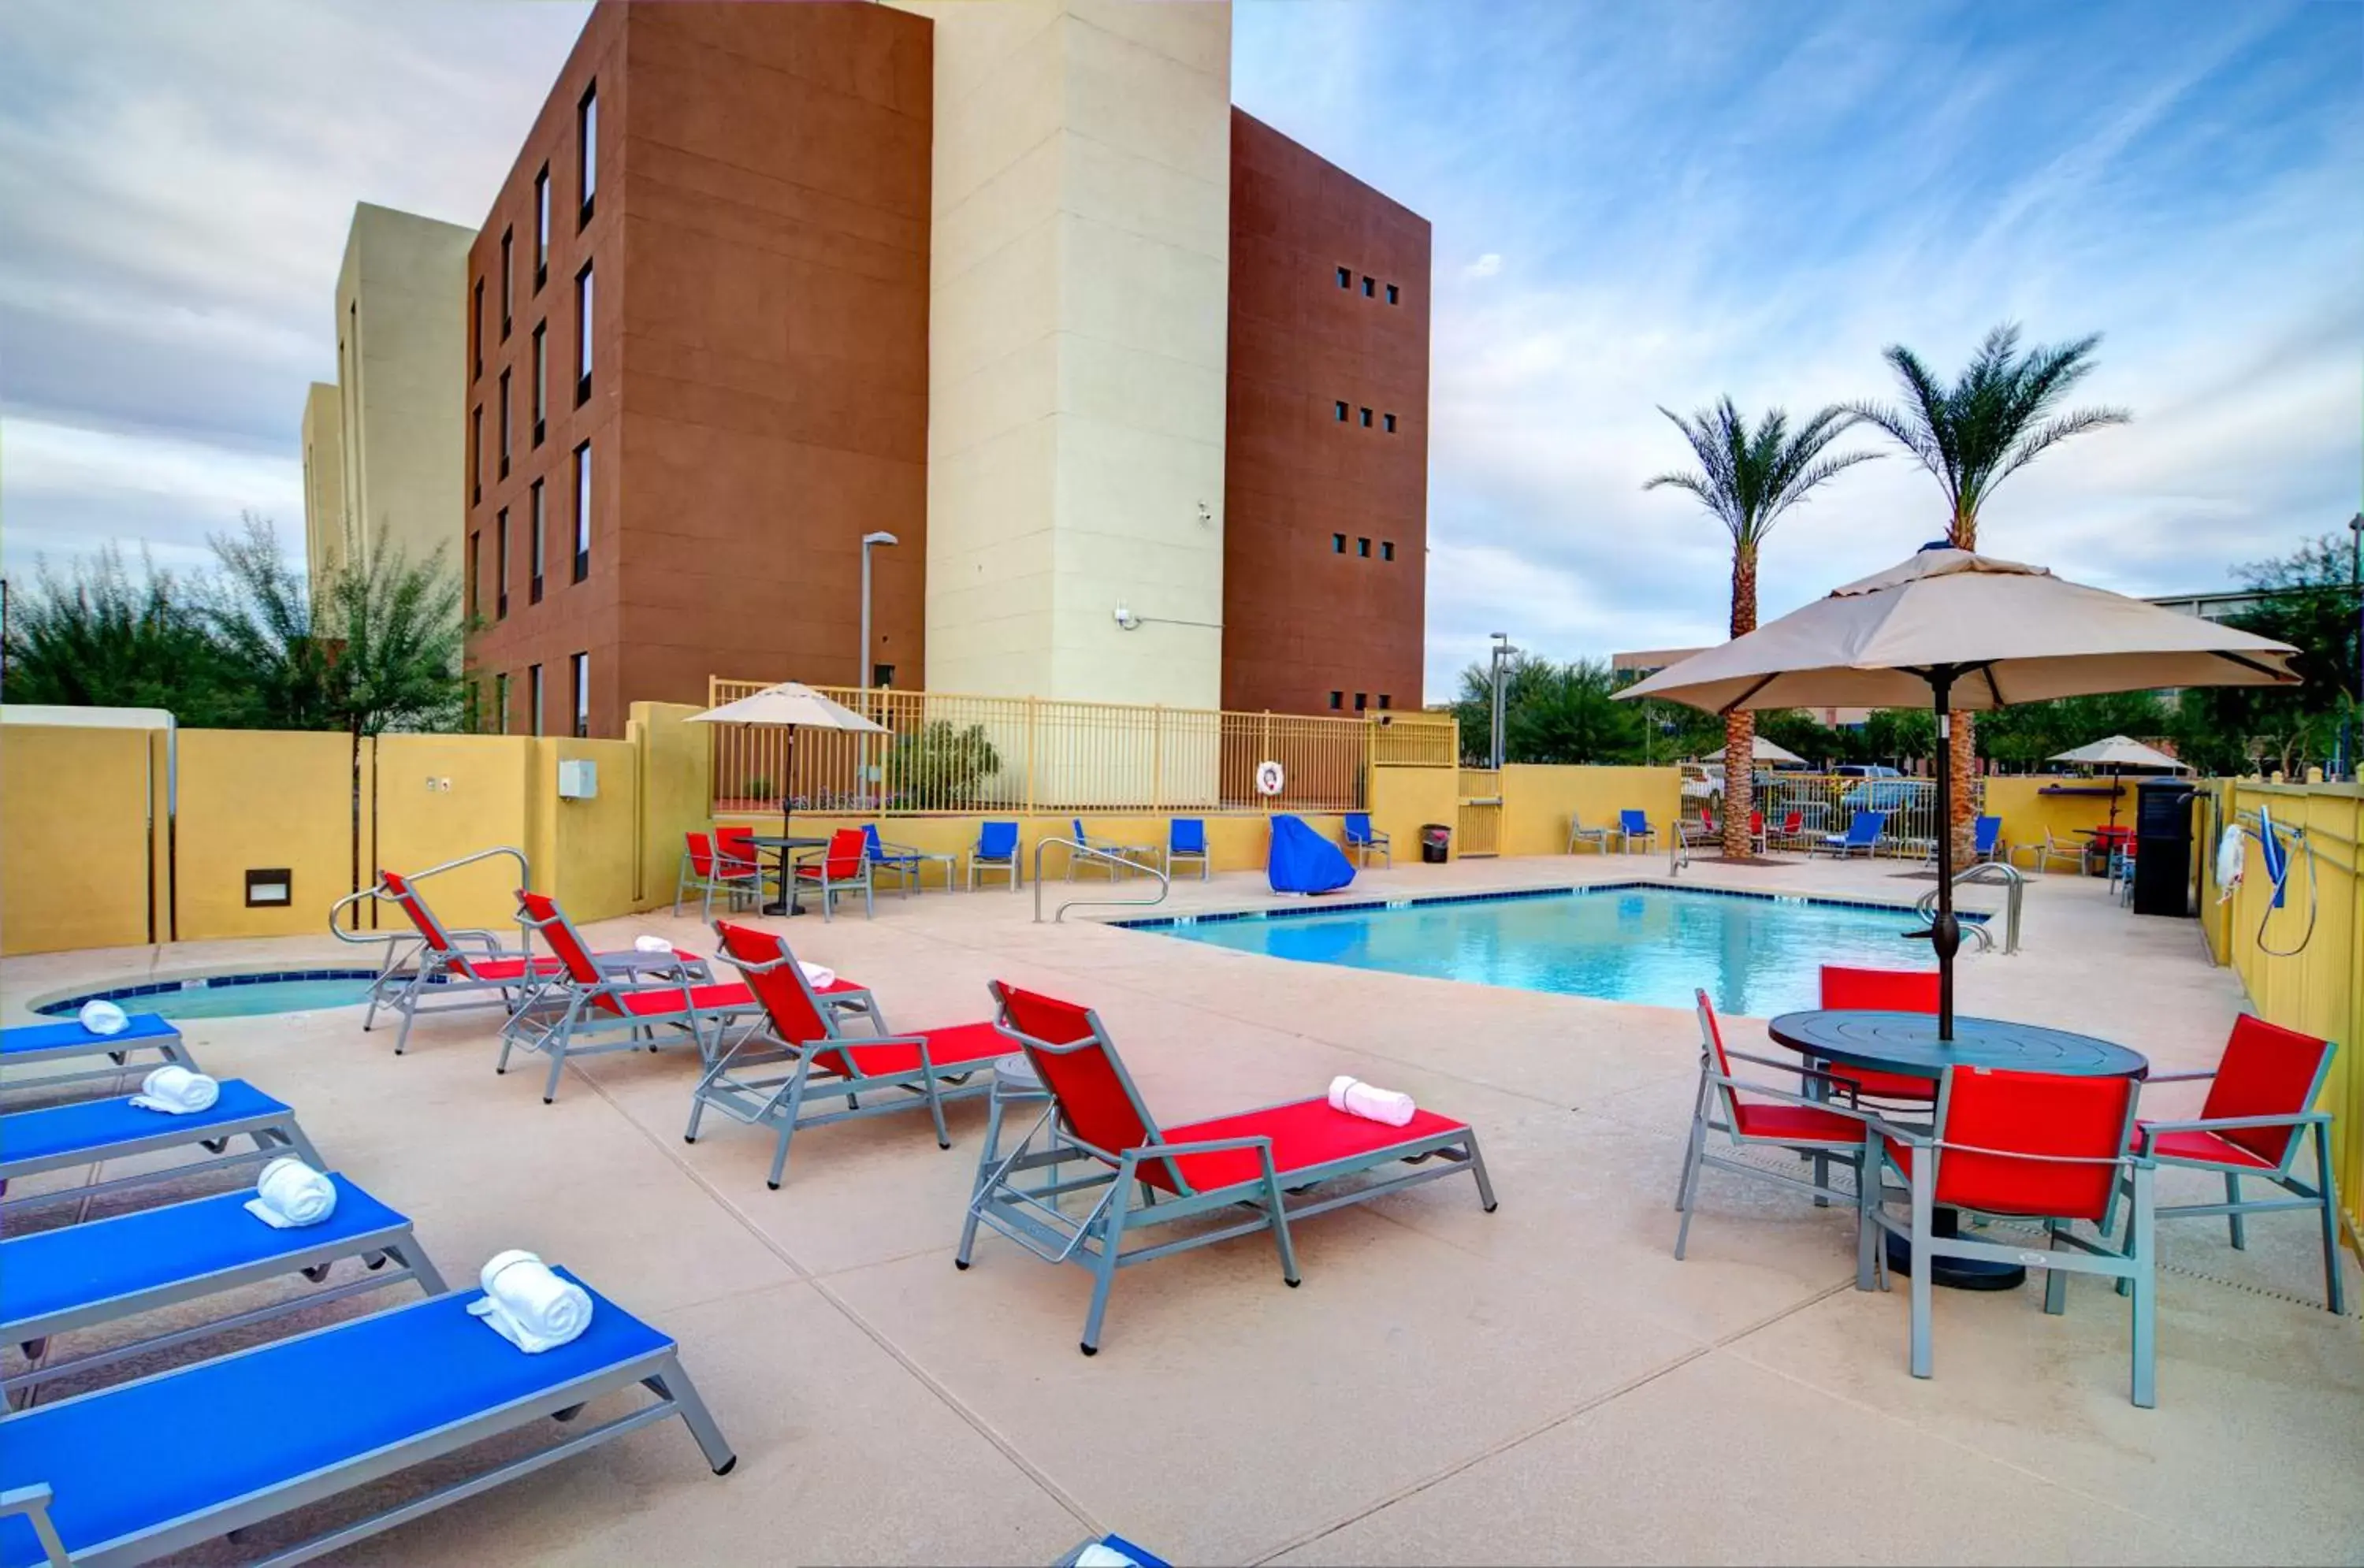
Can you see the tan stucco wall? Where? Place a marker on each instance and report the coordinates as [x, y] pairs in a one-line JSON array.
[[324, 483], [1078, 289], [402, 367]]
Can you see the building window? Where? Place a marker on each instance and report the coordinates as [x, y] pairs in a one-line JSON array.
[[1363, 548], [541, 228], [505, 424], [1390, 421], [1387, 550], [500, 705], [583, 511], [1345, 277], [475, 335], [533, 699], [540, 377], [1337, 544], [475, 552], [1385, 702], [881, 676], [1391, 300], [534, 536], [1366, 418], [1341, 413], [586, 136], [582, 335], [501, 565], [508, 284], [1369, 289], [1337, 699], [1362, 701], [477, 454], [582, 676]]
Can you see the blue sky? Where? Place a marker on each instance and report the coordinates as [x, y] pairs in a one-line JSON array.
[[1634, 205]]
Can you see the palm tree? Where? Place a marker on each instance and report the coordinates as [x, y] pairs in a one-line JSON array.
[[1994, 420], [1748, 480]]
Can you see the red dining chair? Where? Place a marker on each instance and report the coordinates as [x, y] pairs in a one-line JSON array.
[[1880, 991], [843, 866], [2026, 1146], [2261, 1097]]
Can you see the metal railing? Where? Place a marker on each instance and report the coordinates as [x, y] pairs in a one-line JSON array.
[[401, 939], [949, 755], [1826, 802], [2014, 884], [1085, 852]]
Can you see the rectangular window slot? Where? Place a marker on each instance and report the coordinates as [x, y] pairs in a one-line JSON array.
[[1366, 418], [1345, 277], [1387, 550], [1391, 420], [1362, 701], [1341, 413], [1391, 300], [271, 889], [1337, 544], [1337, 699], [1369, 288], [1363, 548]]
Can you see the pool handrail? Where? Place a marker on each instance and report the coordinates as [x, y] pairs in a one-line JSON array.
[[2014, 884], [399, 943], [1078, 850]]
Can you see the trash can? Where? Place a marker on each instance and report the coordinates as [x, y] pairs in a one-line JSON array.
[[1436, 843], [2163, 847]]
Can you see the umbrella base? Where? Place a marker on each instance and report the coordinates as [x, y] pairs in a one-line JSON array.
[[1954, 1273]]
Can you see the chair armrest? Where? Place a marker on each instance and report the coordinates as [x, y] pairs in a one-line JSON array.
[[1791, 1096], [2177, 1077], [1797, 1067], [2213, 1124], [1203, 1146]]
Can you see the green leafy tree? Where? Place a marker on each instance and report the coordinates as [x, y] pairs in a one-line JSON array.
[[92, 637], [942, 766], [1551, 713], [1747, 480], [2028, 736], [2307, 600], [2000, 414]]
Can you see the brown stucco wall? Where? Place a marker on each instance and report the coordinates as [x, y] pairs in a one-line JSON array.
[[1301, 620], [759, 401]]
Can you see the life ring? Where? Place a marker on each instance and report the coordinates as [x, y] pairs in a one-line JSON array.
[[2231, 860], [1270, 777]]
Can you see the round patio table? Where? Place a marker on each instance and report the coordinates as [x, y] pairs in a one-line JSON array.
[[787, 903], [1908, 1043]]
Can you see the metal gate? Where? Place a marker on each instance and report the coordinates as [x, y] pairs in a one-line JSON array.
[[1478, 823]]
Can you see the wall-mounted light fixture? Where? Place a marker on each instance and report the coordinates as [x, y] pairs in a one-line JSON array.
[[271, 888]]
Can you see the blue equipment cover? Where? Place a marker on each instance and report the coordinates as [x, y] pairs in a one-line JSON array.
[[134, 1456], [1304, 862]]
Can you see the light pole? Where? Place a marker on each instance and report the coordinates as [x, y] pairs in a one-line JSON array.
[[2356, 581], [861, 673], [1502, 654]]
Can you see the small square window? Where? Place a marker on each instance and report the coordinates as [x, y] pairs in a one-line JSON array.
[[1385, 702], [1387, 550], [1362, 701], [1366, 418], [1363, 548], [1341, 413], [1337, 544], [1337, 699], [1390, 421], [1345, 278], [1391, 300], [1369, 288]]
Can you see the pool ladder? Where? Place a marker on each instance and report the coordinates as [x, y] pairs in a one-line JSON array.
[[1085, 852], [1985, 872], [401, 943]]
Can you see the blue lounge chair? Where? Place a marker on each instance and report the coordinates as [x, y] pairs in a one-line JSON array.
[[1633, 825], [997, 850], [78, 1275], [1863, 833], [56, 1138], [1986, 840], [68, 1040], [1362, 841], [258, 1434], [903, 860], [1137, 853], [1186, 839]]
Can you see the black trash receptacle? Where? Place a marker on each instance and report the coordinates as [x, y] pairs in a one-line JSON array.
[[1436, 843], [2163, 847]]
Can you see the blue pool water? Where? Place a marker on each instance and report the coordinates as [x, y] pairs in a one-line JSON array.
[[1752, 954], [233, 995]]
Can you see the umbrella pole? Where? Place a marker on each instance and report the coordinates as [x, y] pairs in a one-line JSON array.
[[788, 789], [1944, 931]]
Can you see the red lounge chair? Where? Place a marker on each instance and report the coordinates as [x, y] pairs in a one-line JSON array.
[[459, 980], [1737, 1107], [1880, 991], [1208, 1169], [2259, 1095], [806, 1035], [2026, 1146], [843, 866]]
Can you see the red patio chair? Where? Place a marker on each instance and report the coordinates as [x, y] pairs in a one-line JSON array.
[[2261, 1093], [2026, 1146], [845, 864], [1739, 1110], [1207, 1169], [723, 861], [928, 1067], [1880, 991]]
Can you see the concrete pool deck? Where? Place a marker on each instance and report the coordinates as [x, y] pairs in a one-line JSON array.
[[1543, 1383]]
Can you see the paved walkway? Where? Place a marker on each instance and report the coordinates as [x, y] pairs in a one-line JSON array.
[[1543, 1383]]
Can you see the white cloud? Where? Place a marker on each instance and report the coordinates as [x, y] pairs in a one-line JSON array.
[[1485, 266]]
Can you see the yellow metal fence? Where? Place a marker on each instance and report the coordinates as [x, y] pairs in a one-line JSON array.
[[948, 754]]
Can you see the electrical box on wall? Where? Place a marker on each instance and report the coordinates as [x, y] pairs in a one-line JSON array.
[[578, 780]]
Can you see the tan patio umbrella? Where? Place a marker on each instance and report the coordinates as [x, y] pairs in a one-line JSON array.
[[1767, 752], [2117, 753], [790, 705], [1959, 631]]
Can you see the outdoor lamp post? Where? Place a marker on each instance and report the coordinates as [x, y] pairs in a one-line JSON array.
[[1502, 654], [2356, 579], [861, 673]]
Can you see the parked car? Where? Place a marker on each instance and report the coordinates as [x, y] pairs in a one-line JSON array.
[[1890, 792], [1866, 771], [1703, 784]]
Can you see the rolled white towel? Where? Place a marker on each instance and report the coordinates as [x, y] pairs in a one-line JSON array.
[[291, 1193], [1357, 1098], [102, 1017], [819, 976], [646, 942], [176, 1091], [528, 1305]]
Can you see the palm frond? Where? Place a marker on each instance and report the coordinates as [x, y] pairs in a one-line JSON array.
[[2057, 430]]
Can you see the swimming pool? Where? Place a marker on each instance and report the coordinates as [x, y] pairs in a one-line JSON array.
[[229, 995], [1753, 954]]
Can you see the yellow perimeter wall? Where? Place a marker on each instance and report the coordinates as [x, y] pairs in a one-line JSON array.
[[1538, 799], [74, 863], [2320, 988], [2026, 811]]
